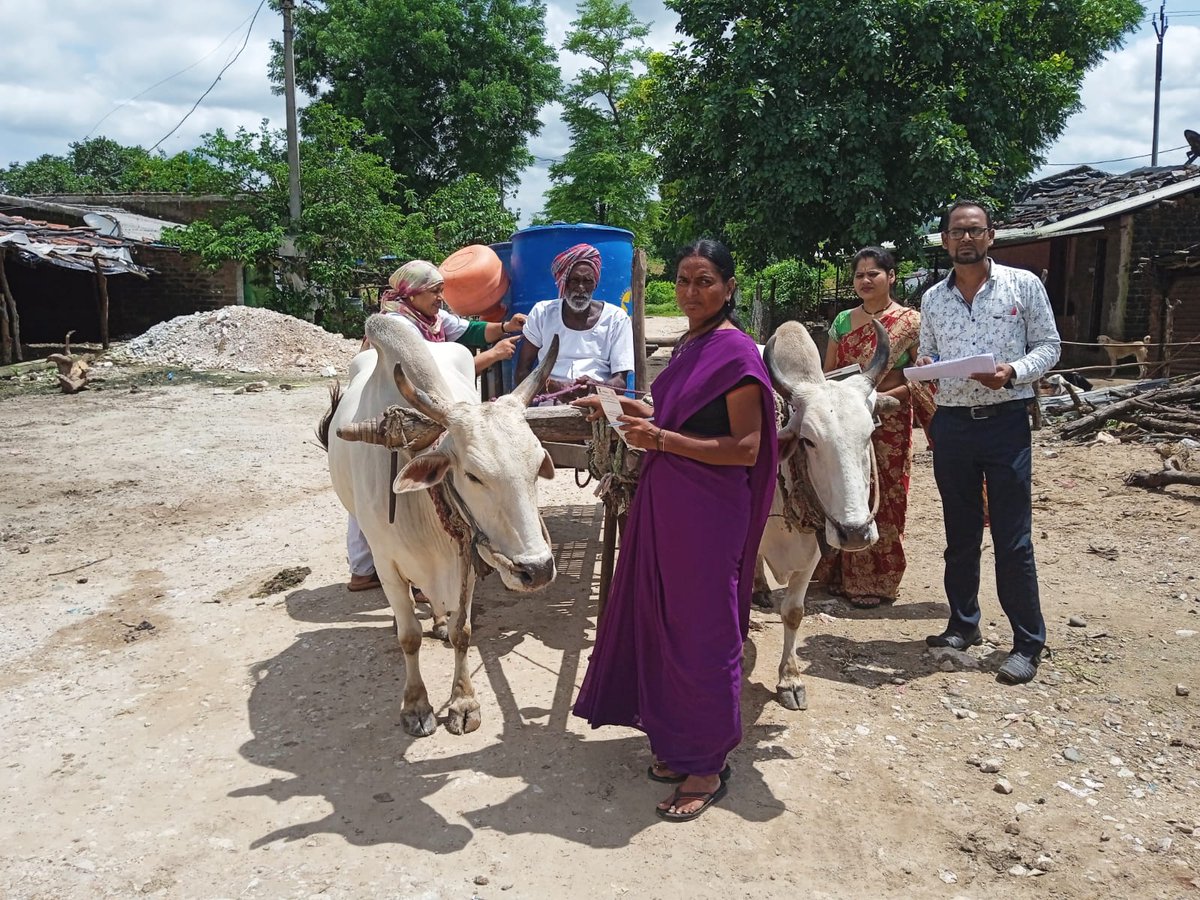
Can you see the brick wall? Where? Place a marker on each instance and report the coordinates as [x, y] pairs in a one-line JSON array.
[[1161, 228], [52, 300]]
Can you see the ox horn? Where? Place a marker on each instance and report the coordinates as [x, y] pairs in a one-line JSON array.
[[422, 402], [536, 380], [878, 366]]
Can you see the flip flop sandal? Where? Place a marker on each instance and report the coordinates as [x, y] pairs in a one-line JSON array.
[[677, 779], [709, 798]]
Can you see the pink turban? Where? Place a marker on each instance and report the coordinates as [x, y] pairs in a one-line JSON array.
[[569, 259]]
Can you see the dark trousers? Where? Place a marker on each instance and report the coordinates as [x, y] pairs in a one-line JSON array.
[[965, 450]]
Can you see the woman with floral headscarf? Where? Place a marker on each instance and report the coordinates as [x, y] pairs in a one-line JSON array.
[[415, 295]]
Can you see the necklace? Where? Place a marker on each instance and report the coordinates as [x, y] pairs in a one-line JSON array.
[[879, 312]]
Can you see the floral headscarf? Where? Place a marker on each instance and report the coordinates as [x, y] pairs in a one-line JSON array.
[[410, 279]]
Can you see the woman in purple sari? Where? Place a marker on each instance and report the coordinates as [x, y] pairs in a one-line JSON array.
[[668, 653]]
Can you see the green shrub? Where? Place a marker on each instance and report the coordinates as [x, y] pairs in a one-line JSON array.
[[660, 299], [797, 288]]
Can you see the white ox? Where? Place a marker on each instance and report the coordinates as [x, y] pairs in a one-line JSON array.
[[830, 427], [487, 454]]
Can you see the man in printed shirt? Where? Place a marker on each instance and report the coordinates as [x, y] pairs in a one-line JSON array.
[[981, 429]]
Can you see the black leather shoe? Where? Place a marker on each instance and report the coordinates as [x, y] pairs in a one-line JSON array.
[[955, 640], [1018, 668]]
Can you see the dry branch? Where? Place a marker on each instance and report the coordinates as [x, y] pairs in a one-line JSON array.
[[1162, 479]]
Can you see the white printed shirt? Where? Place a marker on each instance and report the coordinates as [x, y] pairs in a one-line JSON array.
[[1009, 318]]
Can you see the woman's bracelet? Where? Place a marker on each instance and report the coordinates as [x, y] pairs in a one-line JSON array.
[[504, 327], [660, 440]]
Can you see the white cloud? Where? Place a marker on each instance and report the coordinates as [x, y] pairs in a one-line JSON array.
[[76, 60]]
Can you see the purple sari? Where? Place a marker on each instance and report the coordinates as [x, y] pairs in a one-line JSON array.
[[668, 654]]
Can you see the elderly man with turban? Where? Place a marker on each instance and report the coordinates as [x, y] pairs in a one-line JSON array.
[[415, 296], [595, 339]]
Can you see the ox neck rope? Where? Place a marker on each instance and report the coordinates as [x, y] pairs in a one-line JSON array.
[[457, 521], [802, 508]]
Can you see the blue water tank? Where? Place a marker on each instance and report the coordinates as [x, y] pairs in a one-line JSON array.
[[534, 248]]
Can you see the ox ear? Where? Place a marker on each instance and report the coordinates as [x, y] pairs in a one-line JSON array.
[[546, 470], [792, 359], [422, 472], [536, 380], [788, 442], [421, 401]]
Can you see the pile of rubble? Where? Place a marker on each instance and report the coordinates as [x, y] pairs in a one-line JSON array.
[[243, 339]]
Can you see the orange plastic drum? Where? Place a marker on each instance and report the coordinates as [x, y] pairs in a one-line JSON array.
[[475, 280]]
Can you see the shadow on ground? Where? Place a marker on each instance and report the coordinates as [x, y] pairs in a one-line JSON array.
[[327, 711]]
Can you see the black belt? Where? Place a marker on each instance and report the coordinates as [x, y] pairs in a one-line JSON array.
[[986, 412]]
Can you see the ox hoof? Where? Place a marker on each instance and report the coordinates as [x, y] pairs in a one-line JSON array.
[[440, 630], [420, 721], [463, 717], [792, 696], [762, 599]]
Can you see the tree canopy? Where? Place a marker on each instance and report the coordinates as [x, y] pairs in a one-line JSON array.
[[607, 176], [103, 166], [788, 127], [452, 86]]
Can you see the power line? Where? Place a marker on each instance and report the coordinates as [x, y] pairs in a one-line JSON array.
[[125, 103], [1101, 162], [224, 69]]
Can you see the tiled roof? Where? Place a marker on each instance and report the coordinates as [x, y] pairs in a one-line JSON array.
[[1084, 189], [69, 246]]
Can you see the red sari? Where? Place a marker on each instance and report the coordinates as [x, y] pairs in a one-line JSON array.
[[877, 571]]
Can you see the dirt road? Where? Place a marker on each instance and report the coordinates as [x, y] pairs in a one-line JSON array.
[[166, 734]]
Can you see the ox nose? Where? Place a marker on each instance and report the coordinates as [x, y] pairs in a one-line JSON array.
[[535, 573], [855, 537]]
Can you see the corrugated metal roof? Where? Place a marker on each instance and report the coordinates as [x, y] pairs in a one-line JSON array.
[[1080, 191], [68, 246], [133, 226]]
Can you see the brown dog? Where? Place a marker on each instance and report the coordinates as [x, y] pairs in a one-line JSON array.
[[1118, 350]]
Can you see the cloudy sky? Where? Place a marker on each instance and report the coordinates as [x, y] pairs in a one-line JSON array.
[[76, 69]]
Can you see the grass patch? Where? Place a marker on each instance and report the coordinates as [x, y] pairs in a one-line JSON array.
[[670, 308]]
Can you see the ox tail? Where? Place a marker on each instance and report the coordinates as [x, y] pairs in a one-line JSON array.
[[335, 397]]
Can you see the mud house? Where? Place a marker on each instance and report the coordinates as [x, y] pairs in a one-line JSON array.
[[1115, 253], [58, 256]]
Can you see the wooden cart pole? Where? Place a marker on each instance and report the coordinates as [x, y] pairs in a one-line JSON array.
[[638, 297], [11, 337], [608, 556], [102, 293]]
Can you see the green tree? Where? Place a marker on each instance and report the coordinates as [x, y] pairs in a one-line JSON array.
[[453, 88], [468, 211], [102, 166], [788, 126], [350, 214], [607, 176]]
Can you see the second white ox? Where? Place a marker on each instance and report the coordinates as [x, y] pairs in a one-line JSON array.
[[487, 455], [830, 427]]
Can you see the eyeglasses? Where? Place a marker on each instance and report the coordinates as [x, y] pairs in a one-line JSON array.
[[975, 233]]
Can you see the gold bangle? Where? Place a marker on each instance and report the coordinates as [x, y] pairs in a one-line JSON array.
[[661, 441]]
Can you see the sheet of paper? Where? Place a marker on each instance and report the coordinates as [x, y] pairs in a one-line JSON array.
[[953, 368], [612, 408]]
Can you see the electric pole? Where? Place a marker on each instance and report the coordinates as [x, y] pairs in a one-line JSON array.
[[289, 94], [1160, 29]]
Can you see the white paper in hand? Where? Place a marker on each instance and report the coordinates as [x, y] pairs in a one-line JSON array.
[[611, 405], [953, 368]]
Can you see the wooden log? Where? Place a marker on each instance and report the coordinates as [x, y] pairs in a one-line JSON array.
[[638, 302], [12, 318], [102, 288], [1162, 479], [1158, 423], [401, 427], [21, 368], [1187, 390]]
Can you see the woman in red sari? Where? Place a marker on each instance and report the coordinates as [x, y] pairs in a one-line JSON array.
[[867, 578]]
